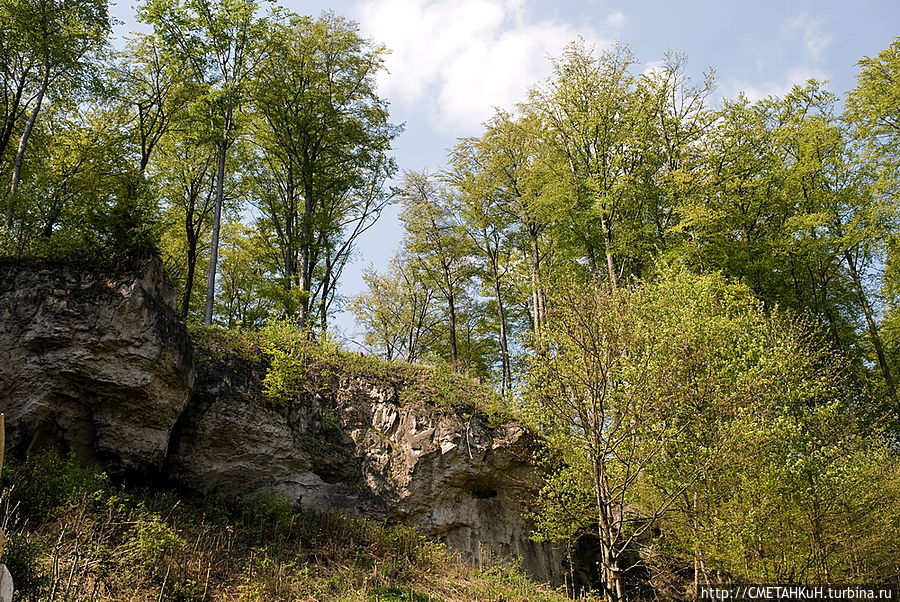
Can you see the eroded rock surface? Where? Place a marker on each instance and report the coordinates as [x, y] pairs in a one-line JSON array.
[[98, 364], [101, 365], [352, 447]]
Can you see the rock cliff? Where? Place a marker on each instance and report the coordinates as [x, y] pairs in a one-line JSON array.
[[101, 365], [350, 445], [92, 362]]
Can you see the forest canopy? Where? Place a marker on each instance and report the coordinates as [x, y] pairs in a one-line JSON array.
[[242, 143], [694, 304]]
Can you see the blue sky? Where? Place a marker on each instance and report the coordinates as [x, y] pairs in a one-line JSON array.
[[452, 61]]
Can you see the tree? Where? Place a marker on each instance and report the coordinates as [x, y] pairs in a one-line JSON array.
[[799, 490], [873, 108], [482, 210], [587, 116], [184, 178], [872, 111], [216, 41], [397, 312], [507, 209], [595, 395], [46, 44], [438, 248], [786, 209], [833, 202], [152, 91], [642, 391], [322, 136], [245, 300], [679, 122]]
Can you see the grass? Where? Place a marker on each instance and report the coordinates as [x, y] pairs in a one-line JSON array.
[[75, 536], [291, 365]]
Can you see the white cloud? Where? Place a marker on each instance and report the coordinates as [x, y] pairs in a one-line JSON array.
[[759, 90], [654, 67], [808, 29], [801, 38], [458, 59], [616, 19]]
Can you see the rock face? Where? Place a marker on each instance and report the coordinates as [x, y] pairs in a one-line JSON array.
[[352, 447], [102, 366], [94, 363]]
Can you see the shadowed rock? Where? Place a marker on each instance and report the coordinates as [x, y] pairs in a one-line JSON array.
[[94, 363], [100, 364]]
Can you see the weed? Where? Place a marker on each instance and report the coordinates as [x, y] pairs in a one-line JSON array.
[[90, 540], [291, 366]]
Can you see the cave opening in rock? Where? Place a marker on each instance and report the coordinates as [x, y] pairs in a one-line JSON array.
[[482, 487]]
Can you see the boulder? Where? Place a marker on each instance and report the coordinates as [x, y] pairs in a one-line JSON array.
[[96, 363]]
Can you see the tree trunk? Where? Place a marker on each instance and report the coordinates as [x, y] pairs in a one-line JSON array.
[[872, 326], [506, 379], [191, 265], [415, 331], [450, 294], [305, 258], [323, 300], [217, 210], [454, 350], [537, 291], [591, 259], [11, 118], [610, 258], [820, 553], [216, 229], [287, 239], [609, 569], [23, 144]]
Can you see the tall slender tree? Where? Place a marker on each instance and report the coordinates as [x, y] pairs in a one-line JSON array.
[[217, 41], [322, 136], [438, 248], [586, 109], [47, 46]]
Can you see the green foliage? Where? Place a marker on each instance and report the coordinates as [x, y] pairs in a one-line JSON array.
[[49, 51], [504, 581], [567, 231], [148, 543], [872, 109], [52, 484], [293, 364], [81, 195], [23, 558], [396, 594], [681, 403], [322, 134], [270, 506], [121, 544], [397, 312], [287, 351], [438, 253]]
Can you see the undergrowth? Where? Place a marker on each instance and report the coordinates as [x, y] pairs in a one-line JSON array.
[[74, 536], [295, 365]]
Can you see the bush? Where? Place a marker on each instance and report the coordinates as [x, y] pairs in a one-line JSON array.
[[88, 537], [49, 484], [23, 557]]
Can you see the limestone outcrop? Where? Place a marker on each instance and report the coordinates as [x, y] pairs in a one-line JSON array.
[[351, 446], [100, 364], [93, 362]]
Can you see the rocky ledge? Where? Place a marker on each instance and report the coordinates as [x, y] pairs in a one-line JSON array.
[[94, 363], [100, 365], [349, 444]]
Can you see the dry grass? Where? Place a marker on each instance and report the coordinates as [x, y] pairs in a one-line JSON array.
[[76, 537]]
